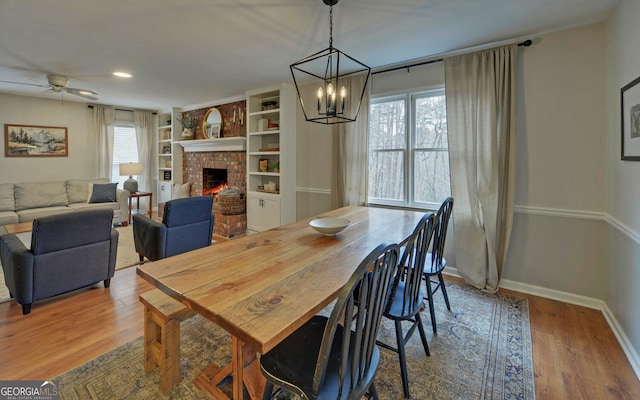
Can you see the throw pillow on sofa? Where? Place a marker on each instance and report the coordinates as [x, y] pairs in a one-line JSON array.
[[78, 190], [181, 191], [40, 194], [103, 193]]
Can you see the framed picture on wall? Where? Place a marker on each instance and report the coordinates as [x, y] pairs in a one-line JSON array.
[[35, 141], [630, 123]]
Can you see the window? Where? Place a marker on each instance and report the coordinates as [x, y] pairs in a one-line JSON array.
[[125, 149], [408, 150]]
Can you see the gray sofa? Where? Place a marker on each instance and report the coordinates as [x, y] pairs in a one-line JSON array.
[[24, 202], [68, 251]]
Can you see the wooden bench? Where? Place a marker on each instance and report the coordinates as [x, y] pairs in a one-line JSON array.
[[162, 317]]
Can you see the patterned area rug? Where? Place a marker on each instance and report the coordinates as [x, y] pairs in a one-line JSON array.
[[126, 256], [482, 351]]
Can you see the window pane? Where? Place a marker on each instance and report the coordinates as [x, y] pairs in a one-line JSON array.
[[431, 122], [387, 125], [386, 175], [408, 150], [125, 150], [431, 174]]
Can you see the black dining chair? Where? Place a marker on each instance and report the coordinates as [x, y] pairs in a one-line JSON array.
[[436, 261], [324, 359], [406, 298]]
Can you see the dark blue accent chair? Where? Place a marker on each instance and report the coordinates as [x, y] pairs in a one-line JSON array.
[[187, 224], [68, 251]]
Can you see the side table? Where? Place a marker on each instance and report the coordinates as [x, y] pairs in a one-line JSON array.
[[137, 196]]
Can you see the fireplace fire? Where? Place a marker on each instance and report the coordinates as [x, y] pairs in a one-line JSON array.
[[213, 181]]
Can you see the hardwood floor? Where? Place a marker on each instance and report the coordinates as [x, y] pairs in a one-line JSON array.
[[575, 354]]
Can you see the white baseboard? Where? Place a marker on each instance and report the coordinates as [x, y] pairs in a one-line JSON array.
[[627, 346]]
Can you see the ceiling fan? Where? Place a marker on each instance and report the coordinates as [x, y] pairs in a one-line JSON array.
[[58, 84]]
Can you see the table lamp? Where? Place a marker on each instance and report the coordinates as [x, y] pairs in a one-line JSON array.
[[131, 169]]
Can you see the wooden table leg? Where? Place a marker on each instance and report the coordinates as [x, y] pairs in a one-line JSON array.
[[130, 209], [245, 369]]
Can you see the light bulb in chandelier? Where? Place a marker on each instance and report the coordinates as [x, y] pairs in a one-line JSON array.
[[330, 100]]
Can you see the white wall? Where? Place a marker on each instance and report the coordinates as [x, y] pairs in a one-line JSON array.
[[35, 111], [558, 233], [623, 179], [313, 173]]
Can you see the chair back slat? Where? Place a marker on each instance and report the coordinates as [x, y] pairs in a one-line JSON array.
[[440, 233], [411, 267], [372, 279]]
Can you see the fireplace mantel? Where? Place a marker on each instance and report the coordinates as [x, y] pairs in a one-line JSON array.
[[238, 143]]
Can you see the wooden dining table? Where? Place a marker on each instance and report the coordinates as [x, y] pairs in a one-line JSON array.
[[262, 287]]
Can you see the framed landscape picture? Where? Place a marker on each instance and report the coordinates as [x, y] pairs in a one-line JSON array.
[[35, 141], [630, 113]]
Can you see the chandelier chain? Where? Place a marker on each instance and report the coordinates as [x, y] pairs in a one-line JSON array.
[[331, 26]]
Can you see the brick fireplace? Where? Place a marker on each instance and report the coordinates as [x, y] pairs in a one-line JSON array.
[[235, 167], [233, 162]]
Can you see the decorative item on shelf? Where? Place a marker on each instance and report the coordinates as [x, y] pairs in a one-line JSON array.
[[271, 186], [238, 116], [269, 105], [276, 167], [263, 124], [214, 131], [263, 165], [272, 126], [212, 124], [167, 175], [188, 125], [131, 169], [166, 149], [332, 71]]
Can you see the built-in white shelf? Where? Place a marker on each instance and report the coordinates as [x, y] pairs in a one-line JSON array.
[[238, 143]]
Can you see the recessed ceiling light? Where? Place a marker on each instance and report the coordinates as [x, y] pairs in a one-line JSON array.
[[122, 74]]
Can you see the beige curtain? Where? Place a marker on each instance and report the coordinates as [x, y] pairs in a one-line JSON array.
[[143, 122], [349, 155], [480, 90], [103, 122]]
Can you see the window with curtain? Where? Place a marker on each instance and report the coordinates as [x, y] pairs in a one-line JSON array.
[[125, 149], [408, 150]]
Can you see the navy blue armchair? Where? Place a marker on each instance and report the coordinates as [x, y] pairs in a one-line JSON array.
[[68, 251], [187, 224]]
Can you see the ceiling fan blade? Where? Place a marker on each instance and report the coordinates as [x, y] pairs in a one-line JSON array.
[[30, 84], [86, 93]]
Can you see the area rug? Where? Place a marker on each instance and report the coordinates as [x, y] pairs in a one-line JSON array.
[[482, 351], [126, 256]]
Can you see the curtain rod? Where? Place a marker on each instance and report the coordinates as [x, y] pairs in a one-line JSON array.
[[525, 43], [120, 109]]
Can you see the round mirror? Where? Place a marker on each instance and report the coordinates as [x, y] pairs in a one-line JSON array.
[[212, 123]]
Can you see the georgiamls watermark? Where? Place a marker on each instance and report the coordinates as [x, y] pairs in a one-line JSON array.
[[29, 390]]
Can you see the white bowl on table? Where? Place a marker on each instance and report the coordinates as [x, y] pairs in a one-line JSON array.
[[329, 226]]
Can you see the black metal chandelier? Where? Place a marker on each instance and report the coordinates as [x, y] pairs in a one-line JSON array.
[[323, 82]]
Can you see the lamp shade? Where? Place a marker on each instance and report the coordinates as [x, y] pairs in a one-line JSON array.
[[131, 169]]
